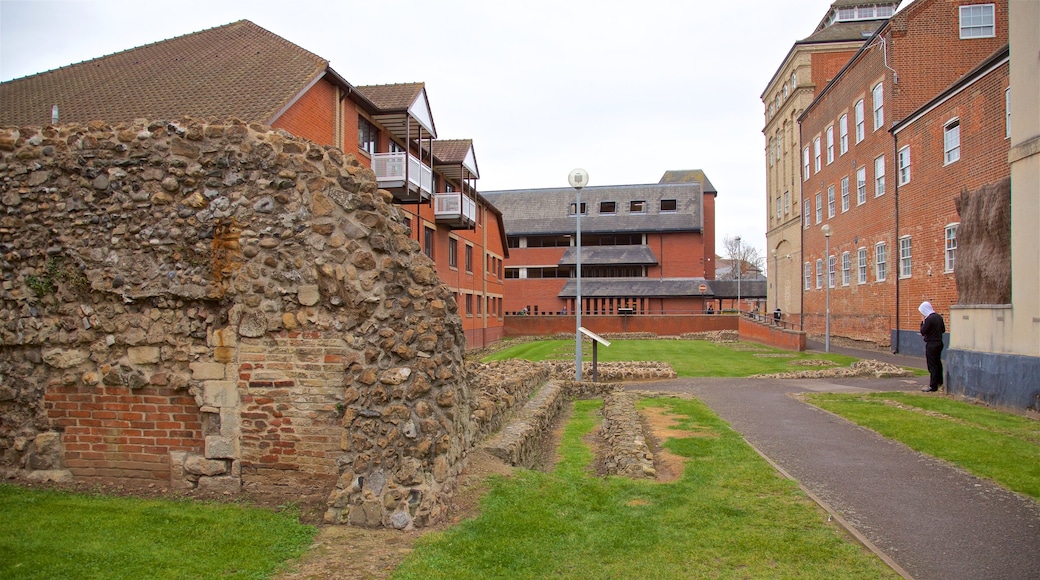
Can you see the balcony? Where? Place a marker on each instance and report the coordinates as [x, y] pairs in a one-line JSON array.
[[455, 210], [411, 186]]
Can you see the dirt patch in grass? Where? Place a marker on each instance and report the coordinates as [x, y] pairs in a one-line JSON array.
[[659, 425]]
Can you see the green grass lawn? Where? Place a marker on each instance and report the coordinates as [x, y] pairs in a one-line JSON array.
[[730, 515], [689, 358], [988, 443], [50, 534]]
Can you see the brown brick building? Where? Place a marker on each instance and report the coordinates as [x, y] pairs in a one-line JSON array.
[[924, 100]]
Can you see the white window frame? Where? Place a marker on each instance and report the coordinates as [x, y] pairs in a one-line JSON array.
[[807, 275], [816, 154], [819, 207], [830, 144], [779, 210], [771, 155], [1007, 113], [787, 203], [862, 265], [845, 194], [951, 141], [808, 214], [950, 250], [879, 176], [805, 163], [843, 134], [903, 162], [861, 185], [846, 268], [906, 258], [819, 273], [880, 261], [832, 275], [878, 101], [859, 121], [830, 201], [978, 21]]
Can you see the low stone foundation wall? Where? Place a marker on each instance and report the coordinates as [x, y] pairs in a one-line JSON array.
[[628, 454], [612, 372], [518, 442], [498, 388]]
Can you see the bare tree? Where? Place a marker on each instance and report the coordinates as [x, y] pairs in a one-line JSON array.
[[743, 256]]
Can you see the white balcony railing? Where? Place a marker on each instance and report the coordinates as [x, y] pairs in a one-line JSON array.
[[389, 167], [454, 206]]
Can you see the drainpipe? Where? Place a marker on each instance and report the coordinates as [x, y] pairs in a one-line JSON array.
[[895, 247]]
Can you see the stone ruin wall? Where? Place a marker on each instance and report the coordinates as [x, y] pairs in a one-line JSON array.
[[983, 271], [223, 306]]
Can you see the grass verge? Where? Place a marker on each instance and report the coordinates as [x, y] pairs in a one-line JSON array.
[[51, 534], [729, 515], [988, 443]]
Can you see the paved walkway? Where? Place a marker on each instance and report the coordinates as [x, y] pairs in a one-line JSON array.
[[929, 519]]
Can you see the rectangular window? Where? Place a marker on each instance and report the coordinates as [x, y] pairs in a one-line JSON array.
[[453, 252], [904, 165], [904, 257], [607, 207], [584, 209], [808, 214], [880, 262], [879, 176], [830, 271], [861, 186], [805, 164], [819, 274], [844, 194], [859, 120], [862, 265], [1007, 113], [843, 134], [878, 98], [787, 206], [819, 208], [830, 144], [367, 135], [428, 238], [772, 151], [807, 275], [469, 258], [952, 142], [637, 207], [846, 268], [977, 21], [668, 205], [951, 246], [816, 154], [779, 209], [469, 305], [830, 201]]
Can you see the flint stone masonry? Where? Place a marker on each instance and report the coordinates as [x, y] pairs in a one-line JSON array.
[[222, 306], [627, 453], [518, 442]]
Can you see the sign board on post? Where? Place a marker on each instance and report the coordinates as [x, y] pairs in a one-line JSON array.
[[596, 341]]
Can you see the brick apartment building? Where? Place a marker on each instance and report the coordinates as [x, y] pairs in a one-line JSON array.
[[810, 64], [924, 103], [648, 248], [242, 71]]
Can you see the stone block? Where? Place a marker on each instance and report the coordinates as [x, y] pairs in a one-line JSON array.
[[230, 423], [221, 447], [207, 371], [220, 394], [50, 476], [143, 355], [65, 358], [47, 452], [198, 465], [308, 294], [221, 484]]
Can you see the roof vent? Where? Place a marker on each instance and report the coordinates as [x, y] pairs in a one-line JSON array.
[[54, 115]]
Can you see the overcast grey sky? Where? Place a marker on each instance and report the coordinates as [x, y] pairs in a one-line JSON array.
[[626, 90]]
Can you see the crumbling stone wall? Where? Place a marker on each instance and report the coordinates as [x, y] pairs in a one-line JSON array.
[[983, 270], [223, 305]]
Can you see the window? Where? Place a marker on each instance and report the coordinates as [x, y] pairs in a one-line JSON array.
[[952, 142], [859, 120], [816, 154], [807, 275], [469, 305], [512, 273], [819, 207], [819, 274], [862, 265], [830, 144], [878, 98], [977, 21], [453, 252], [830, 201], [787, 207], [608, 207], [779, 210], [951, 246], [772, 110], [904, 257], [637, 207], [830, 271], [808, 215], [794, 80], [861, 186], [428, 238], [367, 135], [480, 304], [904, 165], [785, 90], [668, 205], [880, 262], [513, 242], [584, 209], [846, 269], [843, 134], [844, 194], [805, 164], [1007, 113], [772, 151], [469, 258], [879, 176]]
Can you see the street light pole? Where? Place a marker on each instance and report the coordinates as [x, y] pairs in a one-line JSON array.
[[577, 178], [776, 283], [739, 264], [827, 289]]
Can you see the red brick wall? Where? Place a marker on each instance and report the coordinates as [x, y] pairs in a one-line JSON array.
[[767, 333], [313, 115], [660, 325], [825, 65], [117, 432]]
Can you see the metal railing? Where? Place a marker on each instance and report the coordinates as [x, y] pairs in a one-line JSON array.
[[391, 167], [454, 205]]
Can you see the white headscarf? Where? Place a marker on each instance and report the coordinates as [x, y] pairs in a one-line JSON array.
[[925, 309]]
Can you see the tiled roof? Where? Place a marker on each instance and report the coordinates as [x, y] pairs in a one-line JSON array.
[[452, 151], [547, 211], [609, 255], [845, 31], [238, 70], [632, 287], [689, 176], [395, 97]]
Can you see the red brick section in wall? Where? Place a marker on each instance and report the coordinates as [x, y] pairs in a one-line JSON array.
[[768, 333], [825, 65], [313, 116], [660, 325], [117, 432], [678, 255]]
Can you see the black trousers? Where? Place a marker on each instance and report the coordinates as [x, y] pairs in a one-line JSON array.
[[933, 356]]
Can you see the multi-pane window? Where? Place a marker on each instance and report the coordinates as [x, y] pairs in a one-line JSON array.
[[584, 208], [819, 207], [816, 154], [952, 142], [453, 252], [830, 271], [830, 144], [904, 257], [843, 134], [428, 237], [469, 305], [819, 274], [878, 98], [779, 209], [880, 262], [977, 21], [787, 208], [846, 268], [367, 135], [807, 275], [830, 201], [469, 258], [805, 164], [844, 194], [862, 265], [808, 214], [904, 165], [879, 176], [636, 207], [772, 150], [859, 120], [861, 186], [951, 246]]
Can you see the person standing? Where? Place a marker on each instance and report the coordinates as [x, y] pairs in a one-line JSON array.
[[932, 329]]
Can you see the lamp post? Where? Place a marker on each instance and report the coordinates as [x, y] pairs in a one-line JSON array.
[[776, 283], [577, 178], [739, 264], [827, 289]]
